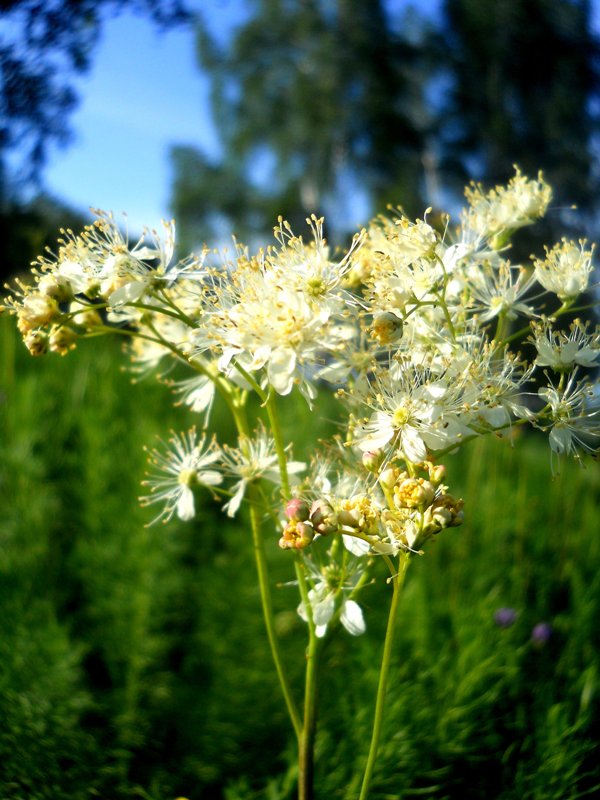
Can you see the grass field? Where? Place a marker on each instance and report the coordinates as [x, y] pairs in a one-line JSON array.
[[133, 663]]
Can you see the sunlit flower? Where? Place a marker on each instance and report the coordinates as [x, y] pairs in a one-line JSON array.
[[506, 208], [562, 351], [499, 289], [573, 412], [253, 459], [566, 269], [179, 468]]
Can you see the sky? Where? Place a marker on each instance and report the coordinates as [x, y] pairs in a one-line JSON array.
[[143, 94]]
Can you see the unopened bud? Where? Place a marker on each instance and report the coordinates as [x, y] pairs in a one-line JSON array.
[[296, 535], [323, 517], [388, 477], [57, 289], [36, 342], [414, 493], [446, 512], [386, 328], [62, 340], [37, 310], [297, 509], [372, 459], [437, 473]]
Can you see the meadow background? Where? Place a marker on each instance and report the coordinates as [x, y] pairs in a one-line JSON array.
[[133, 661]]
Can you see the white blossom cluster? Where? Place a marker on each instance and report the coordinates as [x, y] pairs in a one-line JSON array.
[[414, 328]]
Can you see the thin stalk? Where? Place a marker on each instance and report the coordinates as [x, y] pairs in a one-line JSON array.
[[397, 582], [267, 607], [306, 753], [269, 402], [279, 446]]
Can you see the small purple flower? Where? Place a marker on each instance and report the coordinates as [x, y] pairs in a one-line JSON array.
[[541, 633], [505, 617]]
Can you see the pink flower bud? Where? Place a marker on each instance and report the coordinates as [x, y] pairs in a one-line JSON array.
[[297, 509]]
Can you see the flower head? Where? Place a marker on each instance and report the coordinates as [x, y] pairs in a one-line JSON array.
[[254, 458], [179, 468], [566, 269]]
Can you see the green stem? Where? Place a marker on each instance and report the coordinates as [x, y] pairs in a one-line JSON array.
[[307, 739], [397, 582], [267, 607], [279, 446]]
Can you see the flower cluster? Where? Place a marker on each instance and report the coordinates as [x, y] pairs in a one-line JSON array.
[[414, 327]]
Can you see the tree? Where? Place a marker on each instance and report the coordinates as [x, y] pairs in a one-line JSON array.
[[524, 78], [43, 45], [319, 106]]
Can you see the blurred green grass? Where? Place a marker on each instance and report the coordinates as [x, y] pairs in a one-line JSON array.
[[133, 663]]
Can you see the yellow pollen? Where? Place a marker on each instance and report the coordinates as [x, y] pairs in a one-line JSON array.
[[400, 417], [187, 477]]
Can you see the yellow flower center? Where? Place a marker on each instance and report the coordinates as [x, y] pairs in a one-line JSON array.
[[400, 417]]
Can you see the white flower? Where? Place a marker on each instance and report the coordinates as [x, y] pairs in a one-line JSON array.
[[573, 416], [322, 599], [498, 289], [407, 404], [562, 351], [179, 469], [566, 269], [253, 459], [277, 312], [506, 208], [197, 393]]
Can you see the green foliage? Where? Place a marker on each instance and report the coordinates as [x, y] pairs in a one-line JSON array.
[[314, 103], [340, 107], [133, 662]]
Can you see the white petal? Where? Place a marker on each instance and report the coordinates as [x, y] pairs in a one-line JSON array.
[[352, 618], [412, 445], [358, 547], [210, 477], [232, 506], [561, 440], [185, 504], [129, 293], [281, 370], [322, 609]]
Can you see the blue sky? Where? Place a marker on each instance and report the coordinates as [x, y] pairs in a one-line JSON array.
[[143, 94]]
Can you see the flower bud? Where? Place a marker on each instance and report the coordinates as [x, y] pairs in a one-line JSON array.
[[414, 493], [445, 512], [36, 342], [388, 478], [53, 287], [62, 340], [386, 328], [297, 509], [437, 473], [296, 535], [349, 519], [372, 460], [37, 310], [323, 517]]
